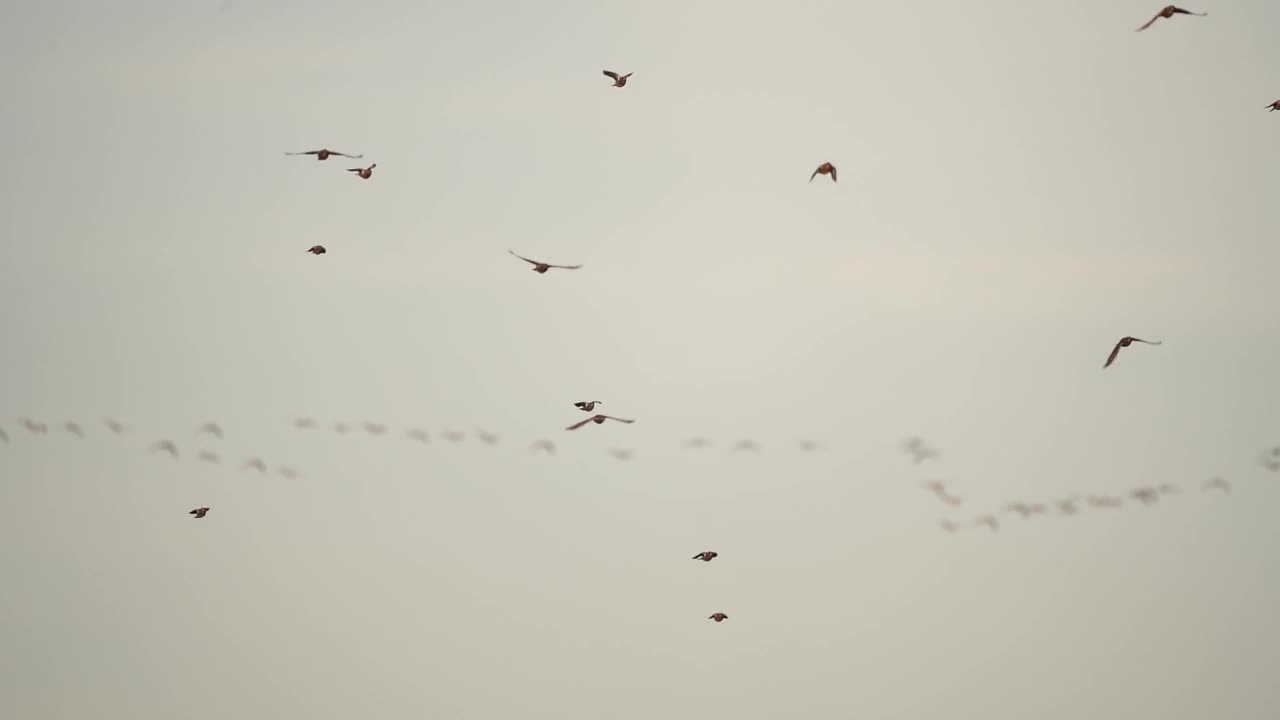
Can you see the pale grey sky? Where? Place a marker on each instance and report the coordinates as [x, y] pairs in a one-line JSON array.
[[1021, 184]]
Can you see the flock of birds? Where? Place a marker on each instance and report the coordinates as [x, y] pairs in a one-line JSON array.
[[916, 448]]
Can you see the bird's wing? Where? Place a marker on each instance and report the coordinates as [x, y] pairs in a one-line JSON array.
[[309, 152], [814, 175], [833, 173], [531, 262], [565, 267], [355, 169], [609, 73], [1144, 27], [577, 425], [353, 157], [1112, 357], [622, 420], [1149, 342]]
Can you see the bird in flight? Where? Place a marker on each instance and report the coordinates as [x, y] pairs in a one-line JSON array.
[[947, 525], [325, 154], [718, 617], [618, 80], [374, 428], [1218, 484], [1021, 508], [115, 426], [1168, 12], [1125, 342], [303, 423], [698, 442], [419, 435], [1148, 496], [809, 446], [588, 406], [1103, 501], [1274, 106], [4, 436], [454, 436], [317, 250], [341, 428], [209, 457], [599, 420], [825, 168], [746, 445], [1067, 506], [487, 437], [33, 427], [74, 428], [211, 428], [166, 446], [707, 556], [620, 454], [199, 512], [288, 472], [541, 267], [990, 521], [544, 445], [918, 450], [364, 173], [1270, 459], [256, 464]]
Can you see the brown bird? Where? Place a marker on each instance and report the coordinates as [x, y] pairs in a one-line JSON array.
[[707, 556], [325, 154], [317, 250], [74, 428], [209, 457], [33, 427], [544, 445], [199, 512], [825, 168], [255, 464], [211, 428], [1274, 106], [620, 454], [1217, 483], [454, 436], [287, 472], [588, 406], [1125, 342], [419, 435], [541, 267], [1148, 496], [618, 80], [718, 617], [166, 446], [1168, 12], [599, 420], [364, 173], [487, 438]]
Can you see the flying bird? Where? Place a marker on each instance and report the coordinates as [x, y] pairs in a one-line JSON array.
[[364, 173], [588, 406], [698, 442], [1021, 508], [809, 446], [1274, 106], [4, 436], [990, 521], [947, 525], [1102, 501], [303, 423], [419, 435], [918, 450], [825, 168], [618, 80], [211, 428], [74, 428], [544, 445], [541, 267], [1218, 484], [115, 426], [209, 457], [747, 445], [454, 436], [255, 464], [1148, 496], [487, 438], [599, 420], [341, 428], [1168, 12], [718, 617], [1167, 489], [287, 472], [33, 427], [620, 454], [199, 512], [166, 446], [374, 428], [325, 154], [1125, 342], [706, 556], [1067, 506], [317, 250]]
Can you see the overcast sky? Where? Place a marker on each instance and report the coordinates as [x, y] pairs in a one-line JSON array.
[[1021, 184]]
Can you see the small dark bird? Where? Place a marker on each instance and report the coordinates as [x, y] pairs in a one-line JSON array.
[[1125, 342], [211, 428], [317, 250], [599, 420], [1148, 496], [588, 406], [1168, 12], [364, 173], [1067, 506], [74, 428], [1021, 508], [374, 428], [1218, 484], [166, 446], [419, 435], [1270, 459], [541, 267], [325, 154], [825, 168], [618, 80], [255, 464], [919, 450], [209, 457], [544, 445], [1103, 501], [115, 426], [718, 617], [487, 438], [809, 446], [1274, 106], [707, 556], [199, 512], [33, 427]]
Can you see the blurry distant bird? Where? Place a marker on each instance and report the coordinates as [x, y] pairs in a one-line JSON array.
[[1147, 496], [341, 428], [706, 556], [588, 406], [747, 445], [1021, 508], [364, 173], [718, 617], [1067, 506], [211, 428], [317, 250], [210, 457], [1167, 489], [324, 154], [990, 521], [1218, 484], [255, 464], [73, 428], [544, 445], [809, 446], [287, 472], [418, 435], [1274, 106], [541, 267], [1103, 501], [374, 428], [1124, 343], [947, 525], [199, 512], [697, 442], [304, 423], [454, 436], [620, 454], [918, 450], [1270, 459], [487, 438], [166, 446], [115, 426], [1168, 12], [825, 168], [935, 486], [4, 436], [1037, 509], [599, 420], [950, 500], [33, 427], [618, 80]]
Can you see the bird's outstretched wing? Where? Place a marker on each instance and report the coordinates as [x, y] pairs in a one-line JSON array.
[[814, 175], [1149, 342], [345, 155], [355, 169], [610, 73], [309, 152], [1144, 27], [577, 425], [1112, 357], [565, 267], [833, 174], [1180, 11], [621, 420], [531, 262]]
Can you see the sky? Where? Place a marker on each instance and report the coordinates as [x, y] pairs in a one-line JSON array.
[[1021, 183]]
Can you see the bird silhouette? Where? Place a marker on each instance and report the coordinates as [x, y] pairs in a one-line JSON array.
[[541, 267], [718, 617], [697, 443], [599, 420], [341, 428], [304, 423], [199, 512], [990, 521], [621, 454], [1067, 506], [34, 427], [487, 438], [288, 472], [919, 450], [454, 436], [419, 435], [115, 426], [4, 436], [1147, 496], [74, 428], [825, 168], [809, 446], [1102, 501], [211, 428], [364, 173], [545, 445], [706, 556], [255, 464], [1216, 483], [747, 445], [317, 250], [1274, 106], [947, 525], [1125, 342], [618, 80], [166, 446], [374, 428], [588, 406], [209, 457], [1168, 12], [325, 154]]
